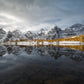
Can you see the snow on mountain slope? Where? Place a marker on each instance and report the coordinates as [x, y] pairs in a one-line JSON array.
[[15, 35], [29, 35], [41, 34], [76, 29], [53, 33], [2, 34]]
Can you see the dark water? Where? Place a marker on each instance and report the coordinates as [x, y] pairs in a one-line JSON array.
[[41, 65]]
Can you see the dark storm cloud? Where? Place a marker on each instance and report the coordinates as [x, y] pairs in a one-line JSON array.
[[32, 12]]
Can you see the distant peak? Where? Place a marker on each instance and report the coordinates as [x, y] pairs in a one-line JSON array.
[[77, 25]]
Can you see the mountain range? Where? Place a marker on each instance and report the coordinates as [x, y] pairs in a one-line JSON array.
[[53, 33]]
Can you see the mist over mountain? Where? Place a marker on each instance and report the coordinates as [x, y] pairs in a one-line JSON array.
[[54, 33]]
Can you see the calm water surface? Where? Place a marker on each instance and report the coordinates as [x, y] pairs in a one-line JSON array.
[[41, 65]]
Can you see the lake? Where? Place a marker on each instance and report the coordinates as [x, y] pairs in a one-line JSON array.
[[41, 65]]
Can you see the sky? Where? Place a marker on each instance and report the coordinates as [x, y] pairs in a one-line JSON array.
[[32, 15]]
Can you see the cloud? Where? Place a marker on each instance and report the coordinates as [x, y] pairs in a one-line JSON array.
[[33, 14]]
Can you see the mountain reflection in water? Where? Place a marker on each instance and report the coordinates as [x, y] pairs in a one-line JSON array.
[[41, 65]]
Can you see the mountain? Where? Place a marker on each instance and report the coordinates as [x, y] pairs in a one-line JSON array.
[[2, 34], [29, 35], [41, 34], [53, 33], [74, 30], [15, 35], [77, 28]]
